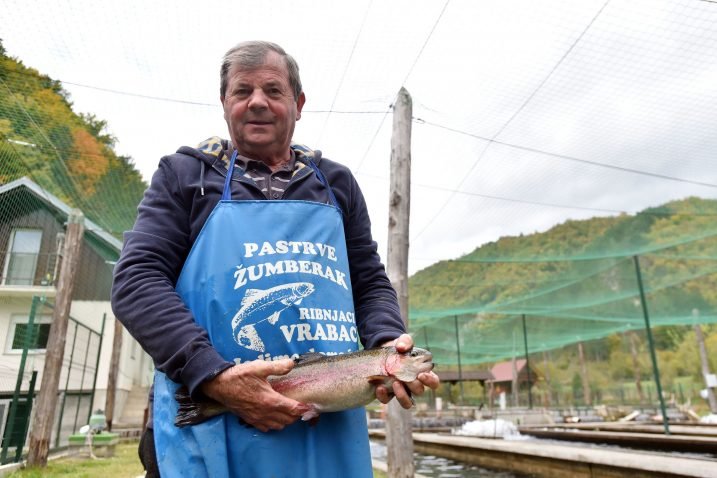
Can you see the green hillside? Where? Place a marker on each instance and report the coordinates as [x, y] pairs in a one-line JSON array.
[[68, 154], [575, 282]]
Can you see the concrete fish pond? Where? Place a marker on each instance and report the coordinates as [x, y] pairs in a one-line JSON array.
[[520, 455]]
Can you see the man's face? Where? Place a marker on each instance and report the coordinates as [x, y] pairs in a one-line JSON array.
[[260, 109]]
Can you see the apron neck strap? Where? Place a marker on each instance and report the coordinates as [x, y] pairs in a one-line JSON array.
[[323, 180], [227, 193]]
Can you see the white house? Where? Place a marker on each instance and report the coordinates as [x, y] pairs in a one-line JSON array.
[[32, 225]]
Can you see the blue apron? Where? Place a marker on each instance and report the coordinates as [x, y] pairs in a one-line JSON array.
[[267, 280]]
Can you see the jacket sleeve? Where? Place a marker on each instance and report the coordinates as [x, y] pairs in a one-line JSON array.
[[378, 316], [143, 291]]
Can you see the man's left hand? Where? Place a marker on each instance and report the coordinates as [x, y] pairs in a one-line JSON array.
[[400, 389]]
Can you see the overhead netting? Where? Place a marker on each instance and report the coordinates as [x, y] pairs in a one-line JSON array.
[[67, 155], [525, 114], [576, 282]]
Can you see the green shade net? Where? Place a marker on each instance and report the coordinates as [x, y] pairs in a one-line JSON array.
[[576, 282], [52, 160], [66, 154]]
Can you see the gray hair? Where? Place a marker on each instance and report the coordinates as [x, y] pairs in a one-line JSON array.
[[251, 54]]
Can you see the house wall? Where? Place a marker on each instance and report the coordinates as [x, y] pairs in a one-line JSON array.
[[20, 208], [94, 269], [38, 218], [135, 365], [10, 361]]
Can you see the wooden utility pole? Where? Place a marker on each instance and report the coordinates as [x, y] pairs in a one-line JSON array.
[[636, 365], [587, 396], [47, 398], [112, 379], [399, 430]]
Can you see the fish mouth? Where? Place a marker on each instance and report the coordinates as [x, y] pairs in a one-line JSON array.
[[423, 360], [425, 367], [306, 289], [421, 355]]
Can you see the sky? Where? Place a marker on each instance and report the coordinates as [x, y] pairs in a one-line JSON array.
[[526, 113]]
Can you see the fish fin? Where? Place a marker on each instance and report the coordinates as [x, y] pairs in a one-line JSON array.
[[249, 295], [273, 317], [191, 412], [308, 357], [311, 416], [248, 338], [297, 302], [377, 379], [406, 375]]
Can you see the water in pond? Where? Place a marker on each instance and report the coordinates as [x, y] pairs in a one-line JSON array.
[[437, 467]]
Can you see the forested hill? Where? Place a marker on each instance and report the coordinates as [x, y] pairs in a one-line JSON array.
[[576, 260], [66, 153]]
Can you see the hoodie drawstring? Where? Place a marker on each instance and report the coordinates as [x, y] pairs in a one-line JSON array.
[[201, 178]]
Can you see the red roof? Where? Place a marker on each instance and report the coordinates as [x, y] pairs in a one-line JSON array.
[[503, 371]]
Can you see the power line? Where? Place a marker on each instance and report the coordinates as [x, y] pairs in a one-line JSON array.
[[198, 103], [546, 204], [177, 100], [566, 157], [139, 95]]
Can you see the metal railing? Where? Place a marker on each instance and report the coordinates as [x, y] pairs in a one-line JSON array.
[[28, 269]]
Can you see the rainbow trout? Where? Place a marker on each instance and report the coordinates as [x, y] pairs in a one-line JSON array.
[[326, 383]]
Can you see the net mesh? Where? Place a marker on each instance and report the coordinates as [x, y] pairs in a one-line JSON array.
[[567, 110], [576, 282], [66, 154]]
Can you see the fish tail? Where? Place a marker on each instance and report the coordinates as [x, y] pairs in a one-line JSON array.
[[191, 412], [248, 337]]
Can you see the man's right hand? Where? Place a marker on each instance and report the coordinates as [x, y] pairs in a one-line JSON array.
[[245, 391]]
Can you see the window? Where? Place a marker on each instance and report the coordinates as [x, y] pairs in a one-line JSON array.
[[22, 256], [19, 330]]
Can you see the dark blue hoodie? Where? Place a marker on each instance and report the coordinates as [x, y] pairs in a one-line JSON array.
[[184, 190]]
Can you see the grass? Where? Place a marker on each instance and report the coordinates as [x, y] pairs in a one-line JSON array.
[[125, 464]]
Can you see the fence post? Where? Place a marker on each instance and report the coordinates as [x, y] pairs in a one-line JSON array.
[[30, 396], [458, 349], [47, 398], [18, 385], [114, 370], [82, 381], [653, 356], [527, 365], [97, 367], [67, 385]]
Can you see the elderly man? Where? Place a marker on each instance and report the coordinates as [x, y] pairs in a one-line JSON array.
[[237, 244]]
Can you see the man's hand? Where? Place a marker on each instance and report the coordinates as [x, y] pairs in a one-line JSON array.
[[400, 389], [244, 389]]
